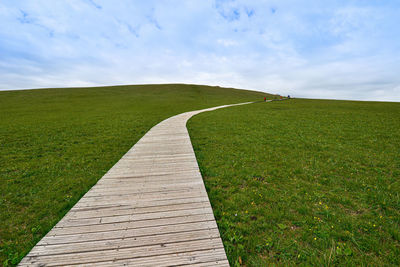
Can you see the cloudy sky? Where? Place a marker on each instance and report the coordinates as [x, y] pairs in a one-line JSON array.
[[340, 49]]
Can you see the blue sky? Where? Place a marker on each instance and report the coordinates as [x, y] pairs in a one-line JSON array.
[[320, 49]]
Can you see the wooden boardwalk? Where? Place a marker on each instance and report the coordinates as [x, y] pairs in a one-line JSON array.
[[150, 209]]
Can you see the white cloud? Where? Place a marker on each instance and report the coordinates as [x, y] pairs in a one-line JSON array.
[[226, 42]]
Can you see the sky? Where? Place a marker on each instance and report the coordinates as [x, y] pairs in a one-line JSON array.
[[339, 49]]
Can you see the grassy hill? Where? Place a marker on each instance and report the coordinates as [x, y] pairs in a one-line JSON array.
[[56, 144], [304, 182]]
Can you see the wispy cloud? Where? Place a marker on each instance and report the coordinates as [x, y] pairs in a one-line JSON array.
[[230, 10], [24, 18], [93, 3]]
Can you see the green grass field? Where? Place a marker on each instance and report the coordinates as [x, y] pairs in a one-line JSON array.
[[291, 182], [56, 144], [306, 182]]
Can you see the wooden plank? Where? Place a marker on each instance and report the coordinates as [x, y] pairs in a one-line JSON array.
[[104, 201], [134, 211], [125, 242], [109, 211], [141, 204], [124, 191], [54, 238], [128, 174], [131, 224], [203, 258], [133, 217], [142, 182], [143, 197], [126, 253], [136, 181]]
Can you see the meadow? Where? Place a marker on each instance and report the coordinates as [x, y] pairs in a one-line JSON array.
[[57, 143], [304, 182]]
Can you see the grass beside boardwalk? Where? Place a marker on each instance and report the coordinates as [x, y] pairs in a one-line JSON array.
[[307, 182], [56, 143]]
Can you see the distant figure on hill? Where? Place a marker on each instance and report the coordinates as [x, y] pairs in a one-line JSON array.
[[288, 96], [265, 99]]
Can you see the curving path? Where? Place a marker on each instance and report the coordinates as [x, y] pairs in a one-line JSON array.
[[150, 209]]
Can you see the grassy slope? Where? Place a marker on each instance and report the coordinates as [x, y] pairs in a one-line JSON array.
[[56, 143], [304, 181]]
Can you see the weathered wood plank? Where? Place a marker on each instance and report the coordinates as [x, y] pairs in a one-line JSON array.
[[126, 253], [213, 257], [54, 238], [132, 224], [134, 217], [141, 204], [198, 258], [140, 209], [162, 199], [125, 242]]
